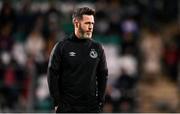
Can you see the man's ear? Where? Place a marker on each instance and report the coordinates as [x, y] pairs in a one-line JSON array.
[[75, 21]]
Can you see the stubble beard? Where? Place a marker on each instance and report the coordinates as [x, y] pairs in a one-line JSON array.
[[84, 35]]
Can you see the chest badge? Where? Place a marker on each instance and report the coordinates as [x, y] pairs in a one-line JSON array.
[[93, 54]]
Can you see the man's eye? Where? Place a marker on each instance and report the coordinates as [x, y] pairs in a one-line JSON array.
[[89, 23]]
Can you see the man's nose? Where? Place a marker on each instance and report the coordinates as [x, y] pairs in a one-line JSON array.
[[90, 27]]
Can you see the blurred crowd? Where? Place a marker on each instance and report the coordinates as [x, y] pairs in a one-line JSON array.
[[140, 37]]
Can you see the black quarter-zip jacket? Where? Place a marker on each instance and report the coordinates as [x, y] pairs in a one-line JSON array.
[[77, 73]]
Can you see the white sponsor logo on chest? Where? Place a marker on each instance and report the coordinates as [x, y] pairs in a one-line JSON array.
[[72, 54]]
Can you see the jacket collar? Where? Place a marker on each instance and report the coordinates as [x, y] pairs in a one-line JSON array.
[[75, 38]]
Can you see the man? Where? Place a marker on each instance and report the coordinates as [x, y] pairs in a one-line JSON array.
[[77, 70]]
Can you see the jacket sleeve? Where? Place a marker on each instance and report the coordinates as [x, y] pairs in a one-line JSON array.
[[102, 73], [54, 73]]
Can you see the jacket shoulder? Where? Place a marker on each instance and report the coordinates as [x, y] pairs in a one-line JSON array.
[[97, 44], [60, 44], [57, 49]]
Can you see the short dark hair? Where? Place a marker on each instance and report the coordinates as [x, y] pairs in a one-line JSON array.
[[79, 12]]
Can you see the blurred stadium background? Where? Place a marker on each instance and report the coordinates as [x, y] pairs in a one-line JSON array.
[[140, 38]]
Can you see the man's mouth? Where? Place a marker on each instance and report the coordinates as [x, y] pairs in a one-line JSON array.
[[89, 31]]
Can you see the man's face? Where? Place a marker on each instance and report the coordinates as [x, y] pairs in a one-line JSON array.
[[85, 26]]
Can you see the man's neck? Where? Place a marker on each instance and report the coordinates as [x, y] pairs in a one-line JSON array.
[[77, 34]]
